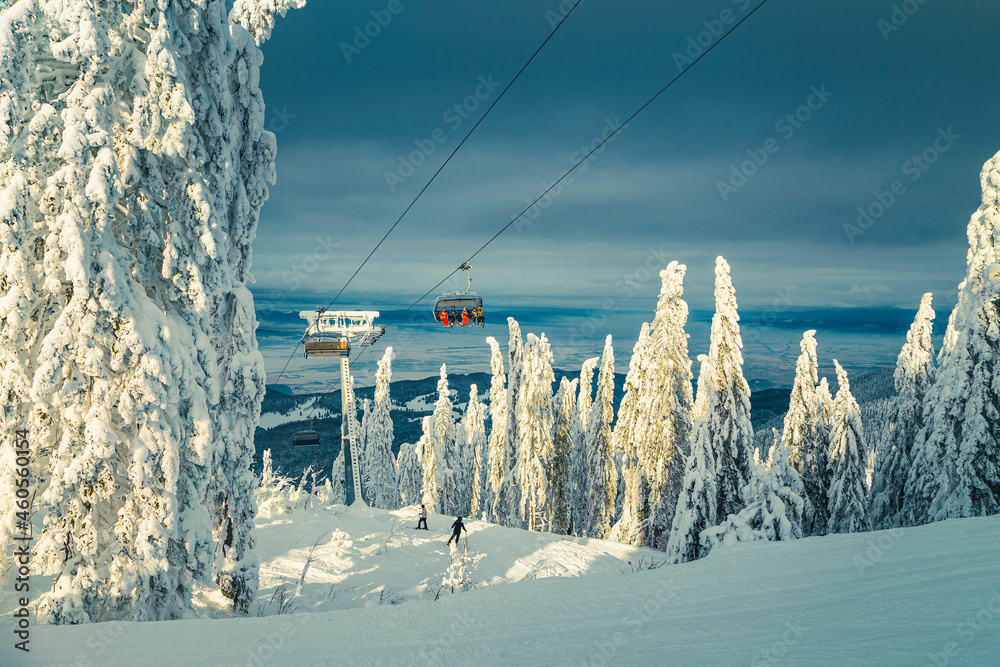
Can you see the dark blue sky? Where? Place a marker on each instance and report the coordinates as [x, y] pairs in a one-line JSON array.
[[653, 194]]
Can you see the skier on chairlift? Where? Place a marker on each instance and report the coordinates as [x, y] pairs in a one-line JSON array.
[[444, 318], [465, 317]]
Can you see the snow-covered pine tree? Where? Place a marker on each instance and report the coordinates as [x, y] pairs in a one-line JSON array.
[[560, 493], [361, 443], [700, 408], [803, 406], [383, 488], [508, 499], [430, 459], [817, 461], [127, 343], [849, 490], [601, 474], [411, 473], [697, 502], [956, 466], [579, 482], [474, 427], [668, 431], [728, 393], [914, 375], [496, 459], [627, 439], [804, 431], [338, 485], [775, 510], [443, 442], [533, 408]]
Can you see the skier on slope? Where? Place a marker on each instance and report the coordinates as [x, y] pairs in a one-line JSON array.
[[423, 518], [457, 529]]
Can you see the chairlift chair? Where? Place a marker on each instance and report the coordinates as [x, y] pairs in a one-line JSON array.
[[456, 301], [306, 439]]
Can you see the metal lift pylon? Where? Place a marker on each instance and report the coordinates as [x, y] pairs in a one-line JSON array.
[[330, 334]]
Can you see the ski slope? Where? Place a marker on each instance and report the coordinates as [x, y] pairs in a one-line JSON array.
[[922, 596]]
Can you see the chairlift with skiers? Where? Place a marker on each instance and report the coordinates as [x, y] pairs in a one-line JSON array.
[[460, 308]]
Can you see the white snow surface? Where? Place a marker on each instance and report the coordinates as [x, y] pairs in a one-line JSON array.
[[301, 413], [927, 595]]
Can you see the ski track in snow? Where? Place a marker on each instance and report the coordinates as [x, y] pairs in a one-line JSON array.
[[928, 595]]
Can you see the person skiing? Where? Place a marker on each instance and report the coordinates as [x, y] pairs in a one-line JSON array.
[[454, 316], [444, 318], [423, 518], [465, 317], [457, 529]]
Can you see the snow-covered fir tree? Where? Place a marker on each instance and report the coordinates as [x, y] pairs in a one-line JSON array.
[[804, 432], [431, 464], [442, 434], [697, 502], [775, 509], [728, 396], [496, 458], [803, 407], [956, 463], [668, 429], [338, 481], [559, 490], [127, 344], [509, 498], [474, 428], [914, 375], [579, 482], [630, 527], [533, 413], [410, 465], [848, 490], [380, 464], [700, 408], [602, 478]]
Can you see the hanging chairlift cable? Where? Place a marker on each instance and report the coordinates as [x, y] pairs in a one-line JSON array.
[[582, 160], [439, 170]]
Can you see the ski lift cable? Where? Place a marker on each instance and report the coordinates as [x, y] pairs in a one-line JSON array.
[[457, 148], [436, 173], [582, 160], [575, 166]]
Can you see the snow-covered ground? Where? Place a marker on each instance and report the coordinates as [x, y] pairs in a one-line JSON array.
[[923, 596], [300, 413]]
